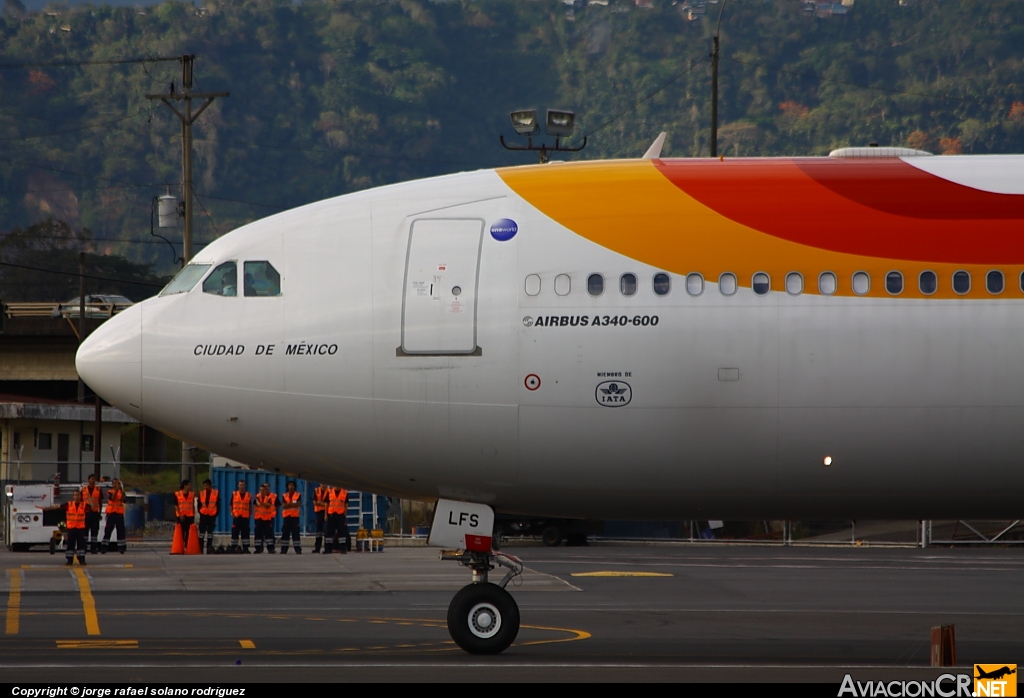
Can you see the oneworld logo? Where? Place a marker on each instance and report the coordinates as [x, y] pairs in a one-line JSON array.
[[504, 230], [613, 394]]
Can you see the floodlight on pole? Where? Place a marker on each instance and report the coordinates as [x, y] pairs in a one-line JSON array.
[[524, 122], [559, 123]]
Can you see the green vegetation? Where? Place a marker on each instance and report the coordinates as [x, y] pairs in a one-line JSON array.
[[331, 96]]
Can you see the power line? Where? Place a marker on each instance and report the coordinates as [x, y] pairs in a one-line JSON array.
[[76, 275], [114, 61], [72, 130]]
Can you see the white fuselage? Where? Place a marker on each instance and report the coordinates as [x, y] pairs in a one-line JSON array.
[[723, 406]]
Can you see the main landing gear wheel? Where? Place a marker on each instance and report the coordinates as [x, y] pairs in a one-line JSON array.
[[483, 619]]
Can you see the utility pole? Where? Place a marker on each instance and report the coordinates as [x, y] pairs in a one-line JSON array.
[[714, 83], [187, 118]]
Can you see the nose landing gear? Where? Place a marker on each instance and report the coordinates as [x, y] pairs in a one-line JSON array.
[[483, 618]]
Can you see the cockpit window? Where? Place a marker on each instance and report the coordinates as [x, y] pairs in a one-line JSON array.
[[222, 281], [261, 279], [185, 279]]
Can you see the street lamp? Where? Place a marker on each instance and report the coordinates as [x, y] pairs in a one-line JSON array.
[[557, 122]]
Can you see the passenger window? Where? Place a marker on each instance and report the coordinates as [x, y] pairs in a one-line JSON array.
[[861, 283], [1022, 281], [222, 281], [928, 282], [961, 282], [727, 283], [694, 284], [994, 282], [532, 285], [562, 284], [261, 279], [794, 283], [595, 284], [627, 284], [761, 283], [827, 284], [185, 279], [662, 284], [894, 283]]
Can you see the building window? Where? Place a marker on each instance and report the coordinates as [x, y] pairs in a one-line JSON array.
[[761, 283], [727, 283], [45, 441], [562, 284], [694, 284], [222, 281], [261, 279], [532, 285], [994, 282], [827, 284], [961, 282], [794, 283], [662, 284], [928, 282], [894, 283], [861, 283], [595, 284], [627, 284]]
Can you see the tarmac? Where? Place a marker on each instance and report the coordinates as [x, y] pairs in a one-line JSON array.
[[607, 612]]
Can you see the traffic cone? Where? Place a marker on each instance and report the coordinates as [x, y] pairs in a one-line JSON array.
[[177, 545], [193, 542]]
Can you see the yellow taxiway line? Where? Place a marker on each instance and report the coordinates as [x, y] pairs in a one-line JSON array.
[[14, 602], [92, 621]]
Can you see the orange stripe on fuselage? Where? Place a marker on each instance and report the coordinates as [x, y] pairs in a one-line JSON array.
[[874, 207], [630, 207]]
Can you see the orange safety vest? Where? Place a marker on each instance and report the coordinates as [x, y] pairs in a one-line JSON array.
[[291, 513], [92, 498], [241, 506], [320, 495], [338, 501], [265, 506], [115, 501], [186, 503], [208, 507], [76, 515]]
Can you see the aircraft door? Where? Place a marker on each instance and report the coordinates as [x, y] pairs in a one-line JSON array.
[[440, 295]]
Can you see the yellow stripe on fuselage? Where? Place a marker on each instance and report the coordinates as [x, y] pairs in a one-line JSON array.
[[629, 207]]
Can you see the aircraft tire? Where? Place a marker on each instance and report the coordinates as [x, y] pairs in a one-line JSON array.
[[483, 619]]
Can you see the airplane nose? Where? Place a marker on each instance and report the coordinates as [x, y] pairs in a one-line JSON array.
[[110, 361]]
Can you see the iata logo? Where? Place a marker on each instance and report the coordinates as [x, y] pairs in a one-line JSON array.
[[613, 394], [995, 679]]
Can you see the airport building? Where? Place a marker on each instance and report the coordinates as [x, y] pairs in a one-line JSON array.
[[44, 429]]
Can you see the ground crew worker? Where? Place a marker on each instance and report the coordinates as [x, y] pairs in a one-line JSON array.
[[337, 503], [291, 507], [241, 511], [209, 506], [320, 509], [76, 511], [185, 510], [266, 509], [115, 518], [93, 498]]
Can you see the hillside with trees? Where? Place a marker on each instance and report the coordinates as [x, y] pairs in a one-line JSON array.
[[332, 96]]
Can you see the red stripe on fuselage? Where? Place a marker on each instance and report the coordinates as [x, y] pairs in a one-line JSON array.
[[878, 208]]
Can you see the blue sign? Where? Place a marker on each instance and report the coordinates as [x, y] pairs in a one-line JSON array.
[[504, 230]]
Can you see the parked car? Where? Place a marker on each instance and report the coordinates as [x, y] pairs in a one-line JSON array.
[[96, 305]]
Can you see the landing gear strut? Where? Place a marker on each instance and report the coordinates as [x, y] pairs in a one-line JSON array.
[[483, 618]]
